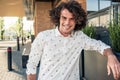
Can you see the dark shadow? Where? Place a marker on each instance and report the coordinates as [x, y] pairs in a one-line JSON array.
[[16, 57], [18, 72], [17, 60]]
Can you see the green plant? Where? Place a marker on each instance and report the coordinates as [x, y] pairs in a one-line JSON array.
[[17, 27], [90, 31], [2, 30], [114, 32]]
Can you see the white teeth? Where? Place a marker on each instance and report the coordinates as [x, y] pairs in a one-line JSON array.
[[66, 27]]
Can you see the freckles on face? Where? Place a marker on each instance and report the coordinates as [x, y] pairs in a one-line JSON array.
[[67, 22]]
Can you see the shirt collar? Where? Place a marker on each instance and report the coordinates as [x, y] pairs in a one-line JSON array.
[[57, 33]]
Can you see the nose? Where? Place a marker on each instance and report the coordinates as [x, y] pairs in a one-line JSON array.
[[67, 21]]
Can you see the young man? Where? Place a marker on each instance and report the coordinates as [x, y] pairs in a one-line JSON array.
[[58, 49]]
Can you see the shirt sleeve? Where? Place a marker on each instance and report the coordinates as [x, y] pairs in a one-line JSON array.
[[93, 44], [35, 55]]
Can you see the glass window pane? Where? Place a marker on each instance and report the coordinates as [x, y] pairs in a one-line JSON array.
[[92, 5]]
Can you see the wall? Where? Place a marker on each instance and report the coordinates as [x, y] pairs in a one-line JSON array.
[[104, 20], [42, 20], [96, 66]]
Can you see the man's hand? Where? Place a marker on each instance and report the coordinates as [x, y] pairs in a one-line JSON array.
[[112, 64], [31, 77]]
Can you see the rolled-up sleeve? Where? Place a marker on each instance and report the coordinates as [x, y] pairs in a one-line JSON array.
[[93, 44], [35, 55]]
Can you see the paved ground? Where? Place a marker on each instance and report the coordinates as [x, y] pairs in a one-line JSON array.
[[18, 72]]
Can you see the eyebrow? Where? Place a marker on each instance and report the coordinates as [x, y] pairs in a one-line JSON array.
[[66, 17]]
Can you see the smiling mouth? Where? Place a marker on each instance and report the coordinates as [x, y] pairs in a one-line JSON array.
[[66, 27]]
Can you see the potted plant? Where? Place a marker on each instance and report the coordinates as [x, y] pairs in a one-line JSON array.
[[90, 31], [114, 33]]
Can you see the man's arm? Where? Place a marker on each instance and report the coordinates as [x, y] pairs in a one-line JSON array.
[[31, 77], [112, 63], [34, 57]]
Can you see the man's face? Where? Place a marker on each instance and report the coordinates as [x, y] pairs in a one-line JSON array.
[[67, 22]]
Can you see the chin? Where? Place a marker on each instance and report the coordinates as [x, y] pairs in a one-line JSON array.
[[66, 32]]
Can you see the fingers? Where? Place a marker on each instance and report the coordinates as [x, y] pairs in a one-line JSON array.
[[108, 69], [114, 66], [116, 71]]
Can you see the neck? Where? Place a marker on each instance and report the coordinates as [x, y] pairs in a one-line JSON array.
[[64, 34]]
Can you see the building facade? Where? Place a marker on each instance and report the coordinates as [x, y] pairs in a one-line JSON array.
[[104, 16]]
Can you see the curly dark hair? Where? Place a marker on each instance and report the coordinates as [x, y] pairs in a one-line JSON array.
[[75, 8]]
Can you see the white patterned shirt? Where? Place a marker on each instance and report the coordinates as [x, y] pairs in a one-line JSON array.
[[59, 55]]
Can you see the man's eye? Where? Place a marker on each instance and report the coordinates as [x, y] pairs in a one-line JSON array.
[[72, 19], [64, 18]]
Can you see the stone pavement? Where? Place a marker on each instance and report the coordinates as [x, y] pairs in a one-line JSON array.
[[18, 72]]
